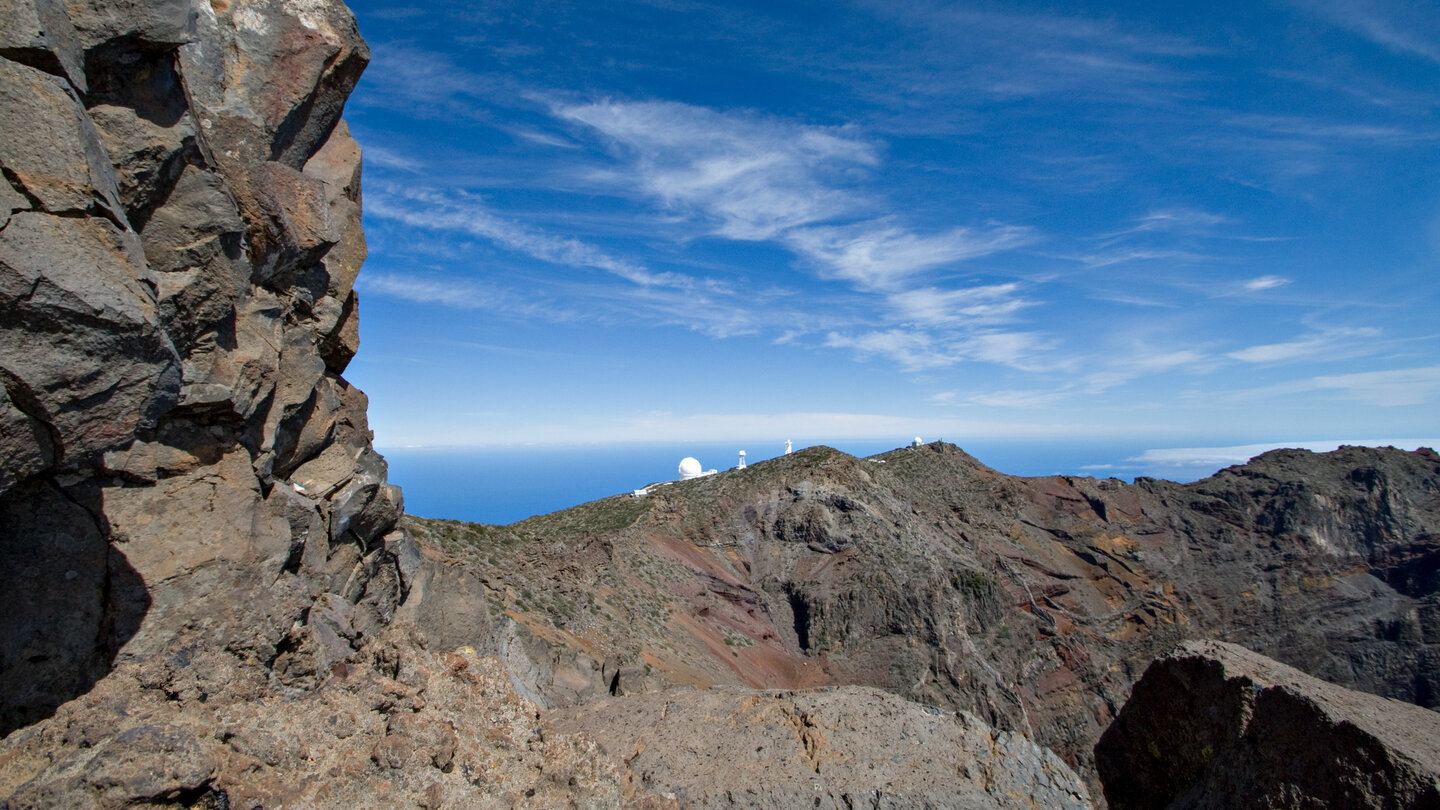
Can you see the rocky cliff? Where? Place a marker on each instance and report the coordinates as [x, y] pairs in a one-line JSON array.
[[179, 237], [1033, 603], [198, 538]]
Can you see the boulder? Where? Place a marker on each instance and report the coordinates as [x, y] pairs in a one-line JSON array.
[[1214, 725]]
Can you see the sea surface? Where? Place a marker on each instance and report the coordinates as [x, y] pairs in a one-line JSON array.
[[500, 485]]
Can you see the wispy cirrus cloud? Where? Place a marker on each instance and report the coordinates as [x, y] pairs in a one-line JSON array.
[[983, 305], [1404, 27], [1179, 219], [436, 210], [750, 177], [1140, 362], [1391, 388], [464, 294], [1332, 343], [753, 178], [921, 350], [1019, 53], [881, 256], [1387, 389], [1263, 283], [745, 177], [1020, 398]]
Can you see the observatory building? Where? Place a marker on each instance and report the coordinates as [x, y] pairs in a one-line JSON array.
[[690, 468]]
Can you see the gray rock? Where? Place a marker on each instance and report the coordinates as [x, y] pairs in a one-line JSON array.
[[129, 22], [1214, 725], [179, 234], [79, 333], [39, 33], [845, 747], [50, 147]]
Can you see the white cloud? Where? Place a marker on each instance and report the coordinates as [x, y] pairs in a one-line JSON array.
[[1175, 219], [753, 177], [1386, 389], [760, 179], [913, 351], [1399, 26], [1332, 343], [456, 211], [1139, 362], [990, 304], [1265, 283], [1277, 352], [1014, 349], [1395, 388], [390, 159], [459, 294], [1239, 454], [1020, 399], [877, 255], [918, 350], [1124, 255]]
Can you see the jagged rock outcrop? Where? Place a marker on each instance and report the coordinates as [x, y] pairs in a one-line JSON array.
[[200, 540], [179, 237], [1214, 725], [1033, 603], [845, 747]]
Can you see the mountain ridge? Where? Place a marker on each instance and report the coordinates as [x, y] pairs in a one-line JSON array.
[[1032, 602]]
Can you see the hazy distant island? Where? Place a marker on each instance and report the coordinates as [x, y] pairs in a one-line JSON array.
[[219, 600]]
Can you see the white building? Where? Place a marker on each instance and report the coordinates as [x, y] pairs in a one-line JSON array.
[[690, 468]]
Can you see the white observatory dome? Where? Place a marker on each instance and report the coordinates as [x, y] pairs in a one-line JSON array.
[[689, 468]]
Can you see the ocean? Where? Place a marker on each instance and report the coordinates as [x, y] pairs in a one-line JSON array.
[[499, 485]]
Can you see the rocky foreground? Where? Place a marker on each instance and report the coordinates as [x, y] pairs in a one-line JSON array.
[[216, 604]]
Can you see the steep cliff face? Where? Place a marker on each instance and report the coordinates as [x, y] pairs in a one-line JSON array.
[[1032, 602], [179, 237]]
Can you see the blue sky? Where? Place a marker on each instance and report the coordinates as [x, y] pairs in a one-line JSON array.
[[665, 220]]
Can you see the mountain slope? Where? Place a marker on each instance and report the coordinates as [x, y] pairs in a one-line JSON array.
[[1033, 603]]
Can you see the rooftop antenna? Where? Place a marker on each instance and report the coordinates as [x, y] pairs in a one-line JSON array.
[[741, 465]]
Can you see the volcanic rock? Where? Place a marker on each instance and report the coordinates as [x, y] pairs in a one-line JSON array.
[[1214, 725], [845, 747]]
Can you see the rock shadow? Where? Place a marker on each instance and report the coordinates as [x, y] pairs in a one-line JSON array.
[[75, 599]]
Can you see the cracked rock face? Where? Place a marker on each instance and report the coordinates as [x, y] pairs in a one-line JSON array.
[[179, 238]]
